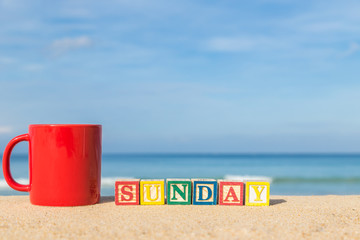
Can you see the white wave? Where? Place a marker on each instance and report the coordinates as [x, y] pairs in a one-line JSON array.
[[110, 181], [245, 178], [4, 185], [105, 182]]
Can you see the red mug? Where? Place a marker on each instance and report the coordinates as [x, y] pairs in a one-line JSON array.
[[64, 164]]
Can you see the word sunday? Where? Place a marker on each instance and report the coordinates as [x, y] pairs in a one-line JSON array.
[[191, 191]]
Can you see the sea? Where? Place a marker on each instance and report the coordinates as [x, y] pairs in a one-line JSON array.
[[289, 174]]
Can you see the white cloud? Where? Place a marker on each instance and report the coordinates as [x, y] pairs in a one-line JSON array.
[[76, 12], [5, 129], [33, 67], [9, 3], [353, 48], [230, 44], [327, 26], [249, 43], [6, 60], [320, 30], [61, 46]]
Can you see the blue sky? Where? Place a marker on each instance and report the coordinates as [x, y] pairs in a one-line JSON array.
[[185, 76]]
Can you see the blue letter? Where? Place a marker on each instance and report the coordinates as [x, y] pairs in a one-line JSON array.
[[201, 193]]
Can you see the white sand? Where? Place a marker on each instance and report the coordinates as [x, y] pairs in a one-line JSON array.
[[288, 217]]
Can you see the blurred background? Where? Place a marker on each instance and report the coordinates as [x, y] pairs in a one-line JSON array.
[[200, 84]]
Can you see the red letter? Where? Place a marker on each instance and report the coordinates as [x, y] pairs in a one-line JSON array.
[[128, 193], [231, 194]]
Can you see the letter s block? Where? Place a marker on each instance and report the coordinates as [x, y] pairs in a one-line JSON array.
[[152, 192], [231, 192], [204, 191], [257, 194], [178, 191], [127, 192]]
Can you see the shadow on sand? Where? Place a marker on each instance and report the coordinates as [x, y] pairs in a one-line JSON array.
[[277, 201], [107, 199]]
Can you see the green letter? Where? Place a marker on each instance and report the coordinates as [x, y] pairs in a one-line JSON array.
[[177, 189]]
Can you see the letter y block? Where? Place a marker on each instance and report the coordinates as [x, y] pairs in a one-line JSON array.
[[127, 192], [257, 194]]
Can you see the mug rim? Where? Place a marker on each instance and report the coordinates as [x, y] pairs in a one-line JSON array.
[[65, 125]]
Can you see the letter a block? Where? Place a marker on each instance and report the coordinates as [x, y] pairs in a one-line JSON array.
[[257, 194], [152, 192], [231, 192], [178, 191], [204, 191], [127, 192]]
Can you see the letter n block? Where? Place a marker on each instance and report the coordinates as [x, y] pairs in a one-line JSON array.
[[231, 192], [152, 192], [127, 192], [178, 191], [204, 191], [257, 194]]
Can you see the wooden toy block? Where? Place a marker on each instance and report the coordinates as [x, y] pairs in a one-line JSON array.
[[257, 194], [231, 192], [204, 191], [152, 192], [178, 191], [127, 192]]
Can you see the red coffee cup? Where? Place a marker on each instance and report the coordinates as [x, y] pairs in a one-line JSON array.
[[64, 164]]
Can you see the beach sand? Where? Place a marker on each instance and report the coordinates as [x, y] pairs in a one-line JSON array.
[[288, 217]]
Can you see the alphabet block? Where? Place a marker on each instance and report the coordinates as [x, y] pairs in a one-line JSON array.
[[204, 191], [127, 192], [152, 192], [257, 194], [231, 192], [178, 191]]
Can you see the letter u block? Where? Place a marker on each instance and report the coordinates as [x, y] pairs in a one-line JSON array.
[[257, 194], [178, 191], [231, 192], [152, 192], [204, 191], [127, 192]]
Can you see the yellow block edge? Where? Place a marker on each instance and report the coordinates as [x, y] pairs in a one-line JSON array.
[[162, 192], [247, 191]]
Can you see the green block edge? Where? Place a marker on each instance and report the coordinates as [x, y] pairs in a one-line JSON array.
[[168, 192]]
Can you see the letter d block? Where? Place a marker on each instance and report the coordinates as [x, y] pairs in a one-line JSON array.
[[127, 192], [204, 191], [231, 192], [152, 192], [257, 194], [178, 191]]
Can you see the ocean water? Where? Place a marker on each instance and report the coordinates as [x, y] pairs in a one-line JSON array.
[[290, 174]]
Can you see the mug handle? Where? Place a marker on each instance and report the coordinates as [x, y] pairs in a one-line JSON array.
[[6, 163]]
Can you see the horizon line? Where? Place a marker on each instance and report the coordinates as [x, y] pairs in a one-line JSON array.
[[223, 153]]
